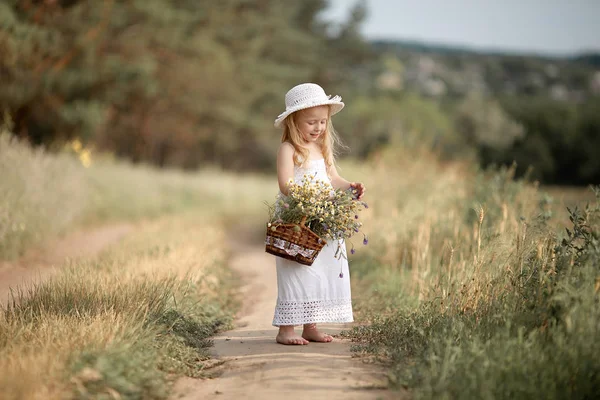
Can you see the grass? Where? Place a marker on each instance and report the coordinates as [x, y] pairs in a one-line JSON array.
[[46, 194], [127, 323], [468, 291], [124, 324], [469, 287], [34, 186]]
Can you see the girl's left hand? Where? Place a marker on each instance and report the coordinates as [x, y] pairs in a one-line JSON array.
[[360, 188]]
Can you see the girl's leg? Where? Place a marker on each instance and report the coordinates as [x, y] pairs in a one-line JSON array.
[[287, 335], [311, 333]]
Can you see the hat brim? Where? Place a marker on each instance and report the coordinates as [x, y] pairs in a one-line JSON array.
[[335, 107]]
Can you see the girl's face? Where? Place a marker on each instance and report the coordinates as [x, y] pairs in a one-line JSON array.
[[312, 122]]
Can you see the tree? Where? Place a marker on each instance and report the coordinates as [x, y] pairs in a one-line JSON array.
[[482, 121], [173, 82]]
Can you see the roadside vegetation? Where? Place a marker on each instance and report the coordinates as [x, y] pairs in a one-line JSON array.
[[127, 323], [45, 194], [123, 324], [469, 290]]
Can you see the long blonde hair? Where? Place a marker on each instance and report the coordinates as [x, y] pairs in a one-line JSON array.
[[329, 142]]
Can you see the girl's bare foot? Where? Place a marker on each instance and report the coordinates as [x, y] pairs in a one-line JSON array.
[[287, 335], [311, 334]]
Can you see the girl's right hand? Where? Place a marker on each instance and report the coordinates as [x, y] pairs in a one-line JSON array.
[[360, 189]]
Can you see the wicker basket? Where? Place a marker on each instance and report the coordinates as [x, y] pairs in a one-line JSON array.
[[294, 242]]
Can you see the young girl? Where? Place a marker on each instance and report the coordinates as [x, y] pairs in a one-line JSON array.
[[320, 292]]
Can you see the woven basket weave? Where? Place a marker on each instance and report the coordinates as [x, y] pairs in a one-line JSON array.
[[294, 242]]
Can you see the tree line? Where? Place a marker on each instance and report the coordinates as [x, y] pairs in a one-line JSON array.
[[186, 84], [170, 82]]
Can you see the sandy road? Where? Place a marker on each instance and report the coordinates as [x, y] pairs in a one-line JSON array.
[[256, 367]]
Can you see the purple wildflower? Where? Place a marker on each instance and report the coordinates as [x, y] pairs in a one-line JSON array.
[[365, 205], [352, 251], [355, 229], [341, 275], [366, 240], [356, 217]]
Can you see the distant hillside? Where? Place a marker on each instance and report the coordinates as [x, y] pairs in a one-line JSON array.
[[440, 70], [426, 47], [591, 58]]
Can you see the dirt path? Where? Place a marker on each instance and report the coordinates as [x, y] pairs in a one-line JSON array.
[[255, 367], [40, 264]]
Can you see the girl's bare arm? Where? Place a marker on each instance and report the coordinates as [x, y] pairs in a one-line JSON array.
[[285, 166], [340, 183]]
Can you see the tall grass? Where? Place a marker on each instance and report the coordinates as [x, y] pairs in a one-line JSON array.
[[119, 191], [40, 195], [468, 291], [124, 325], [43, 194]]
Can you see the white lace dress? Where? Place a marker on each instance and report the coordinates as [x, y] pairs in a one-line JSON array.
[[316, 293]]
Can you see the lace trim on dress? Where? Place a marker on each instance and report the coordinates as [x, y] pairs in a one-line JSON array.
[[312, 311]]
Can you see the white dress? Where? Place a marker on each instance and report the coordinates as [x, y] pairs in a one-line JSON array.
[[316, 293]]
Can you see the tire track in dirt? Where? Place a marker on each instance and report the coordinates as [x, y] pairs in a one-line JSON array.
[[40, 264]]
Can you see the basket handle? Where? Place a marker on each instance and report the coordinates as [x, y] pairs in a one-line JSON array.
[[303, 221]]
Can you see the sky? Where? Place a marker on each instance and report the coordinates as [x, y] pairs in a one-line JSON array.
[[554, 27]]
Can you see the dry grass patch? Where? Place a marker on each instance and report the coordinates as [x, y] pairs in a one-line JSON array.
[[123, 324], [37, 356], [34, 185], [45, 194], [468, 291]]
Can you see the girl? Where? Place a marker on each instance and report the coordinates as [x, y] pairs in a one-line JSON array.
[[319, 293]]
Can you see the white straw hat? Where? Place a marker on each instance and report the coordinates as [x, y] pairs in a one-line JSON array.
[[307, 95]]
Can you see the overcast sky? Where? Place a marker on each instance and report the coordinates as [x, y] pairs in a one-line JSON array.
[[540, 26]]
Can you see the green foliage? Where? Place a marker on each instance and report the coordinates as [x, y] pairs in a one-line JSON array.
[[372, 122], [168, 82], [582, 244], [517, 321], [535, 111], [128, 371], [561, 140], [483, 123], [187, 83]]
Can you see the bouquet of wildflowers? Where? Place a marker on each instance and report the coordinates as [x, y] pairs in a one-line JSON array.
[[330, 213]]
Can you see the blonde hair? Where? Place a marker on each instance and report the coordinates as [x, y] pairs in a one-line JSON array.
[[329, 142]]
